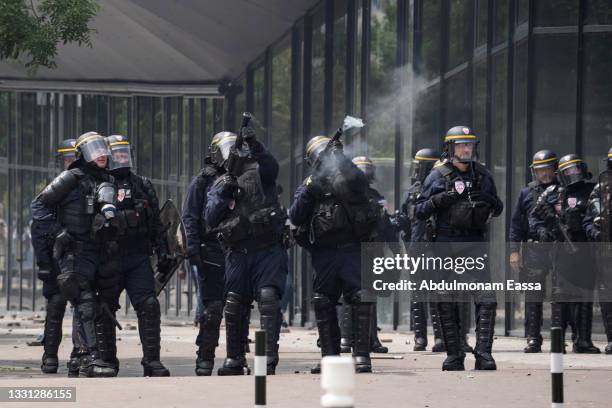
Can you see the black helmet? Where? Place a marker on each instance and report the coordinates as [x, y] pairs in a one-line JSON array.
[[121, 154], [542, 159], [91, 146], [423, 162], [66, 153], [366, 166], [572, 169], [460, 135], [220, 147], [314, 148], [610, 159]]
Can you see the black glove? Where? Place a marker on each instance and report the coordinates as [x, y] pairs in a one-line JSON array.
[[165, 261], [228, 186], [545, 212], [45, 272], [544, 235], [248, 134], [314, 187], [444, 199], [486, 197]]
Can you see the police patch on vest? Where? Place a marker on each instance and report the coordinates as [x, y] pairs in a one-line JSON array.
[[572, 201], [459, 186], [121, 194]]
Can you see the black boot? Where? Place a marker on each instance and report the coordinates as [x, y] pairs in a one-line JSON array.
[[106, 338], [419, 325], [485, 329], [583, 318], [327, 325], [606, 315], [346, 328], [235, 313], [56, 305], [533, 327], [362, 319], [449, 325], [270, 319], [208, 337], [149, 329], [463, 311], [74, 363], [377, 346], [438, 346]]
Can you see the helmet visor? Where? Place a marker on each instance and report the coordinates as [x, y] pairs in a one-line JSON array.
[[94, 149], [121, 157]]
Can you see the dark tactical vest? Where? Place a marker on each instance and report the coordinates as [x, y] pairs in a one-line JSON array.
[[571, 204], [134, 216], [257, 219], [465, 214]]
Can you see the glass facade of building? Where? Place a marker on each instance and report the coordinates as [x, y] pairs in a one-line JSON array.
[[525, 74]]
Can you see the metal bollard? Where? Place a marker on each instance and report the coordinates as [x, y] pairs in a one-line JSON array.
[[338, 381], [556, 366], [260, 367]]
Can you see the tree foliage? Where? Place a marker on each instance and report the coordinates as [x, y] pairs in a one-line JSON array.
[[30, 31]]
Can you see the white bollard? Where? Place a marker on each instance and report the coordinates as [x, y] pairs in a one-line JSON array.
[[337, 381]]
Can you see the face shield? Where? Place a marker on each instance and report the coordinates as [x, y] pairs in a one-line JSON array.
[[93, 149], [464, 151], [221, 146], [421, 168], [121, 156], [572, 174], [65, 157], [543, 174]]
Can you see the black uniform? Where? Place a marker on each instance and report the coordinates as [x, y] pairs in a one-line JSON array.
[[206, 255], [247, 217], [569, 205], [72, 199], [536, 266], [598, 215], [326, 208], [462, 203]]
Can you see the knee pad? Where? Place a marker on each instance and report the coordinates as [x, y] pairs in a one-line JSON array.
[[359, 297], [269, 301], [234, 303], [149, 305], [70, 285], [321, 301]]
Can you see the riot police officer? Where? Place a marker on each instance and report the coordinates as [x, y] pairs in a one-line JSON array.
[[385, 232], [422, 231], [243, 208], [205, 252], [597, 224], [334, 215], [558, 216], [529, 261], [461, 196], [82, 199], [140, 232], [47, 273]]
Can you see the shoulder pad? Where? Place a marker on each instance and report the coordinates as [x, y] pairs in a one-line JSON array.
[[445, 169], [533, 184], [60, 186], [550, 189], [209, 170]]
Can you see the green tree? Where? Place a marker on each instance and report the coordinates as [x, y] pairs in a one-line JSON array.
[[32, 30]]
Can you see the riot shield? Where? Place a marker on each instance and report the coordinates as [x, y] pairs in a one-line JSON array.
[[177, 244]]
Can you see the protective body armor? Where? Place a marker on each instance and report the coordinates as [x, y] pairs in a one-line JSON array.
[[256, 221], [570, 205], [466, 213], [134, 215], [339, 222]]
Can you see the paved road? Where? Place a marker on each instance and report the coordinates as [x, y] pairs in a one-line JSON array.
[[411, 379]]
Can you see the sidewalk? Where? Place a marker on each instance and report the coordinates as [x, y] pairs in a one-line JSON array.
[[402, 378]]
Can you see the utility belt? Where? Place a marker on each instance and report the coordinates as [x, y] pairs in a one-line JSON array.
[[262, 225], [255, 244], [64, 243], [452, 232]]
